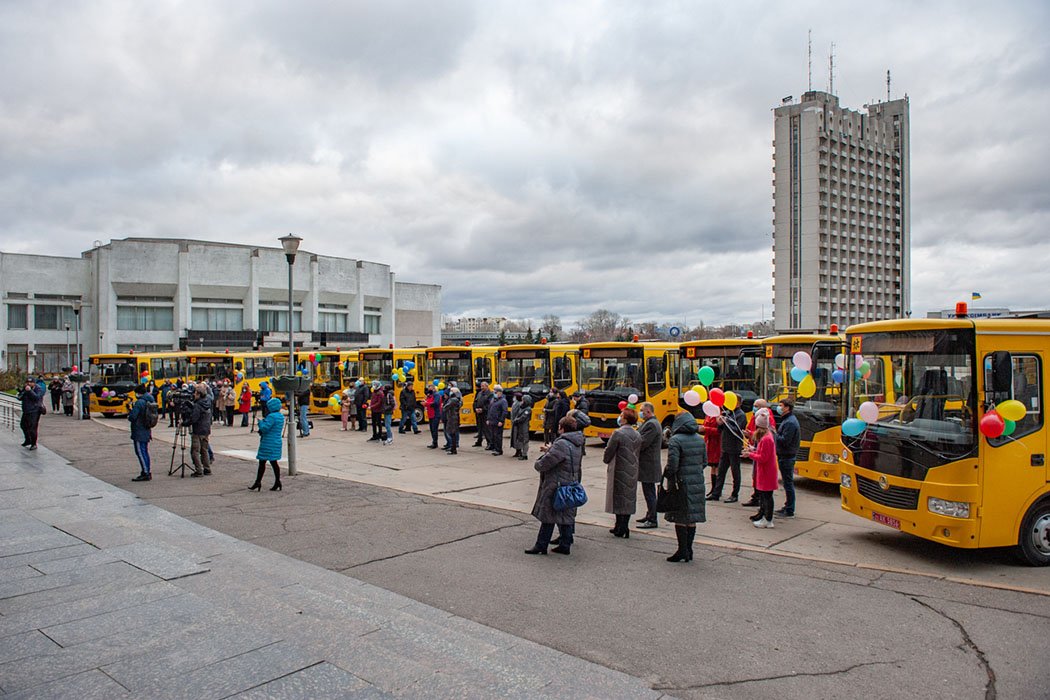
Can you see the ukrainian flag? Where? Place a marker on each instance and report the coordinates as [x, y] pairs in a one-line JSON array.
[[974, 296]]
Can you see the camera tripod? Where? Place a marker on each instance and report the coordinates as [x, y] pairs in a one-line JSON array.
[[179, 443]]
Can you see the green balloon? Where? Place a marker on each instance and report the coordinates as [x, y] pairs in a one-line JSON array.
[[1011, 426], [706, 375]]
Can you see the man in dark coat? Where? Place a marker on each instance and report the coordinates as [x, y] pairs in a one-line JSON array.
[[32, 398], [200, 420], [482, 401], [408, 410], [731, 426], [494, 419], [141, 432], [649, 467], [362, 395], [686, 456], [561, 463], [451, 407], [788, 436]]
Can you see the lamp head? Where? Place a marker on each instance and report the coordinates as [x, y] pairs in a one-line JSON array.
[[77, 305], [290, 243]]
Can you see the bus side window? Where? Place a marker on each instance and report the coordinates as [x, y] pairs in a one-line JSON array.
[[655, 377], [1027, 372], [562, 372]]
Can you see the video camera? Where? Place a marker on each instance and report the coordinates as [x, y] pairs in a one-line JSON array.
[[181, 403]]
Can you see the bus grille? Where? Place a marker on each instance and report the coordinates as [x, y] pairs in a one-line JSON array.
[[802, 455], [894, 497]]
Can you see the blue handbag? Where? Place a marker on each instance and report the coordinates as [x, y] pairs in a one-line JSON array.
[[569, 496]]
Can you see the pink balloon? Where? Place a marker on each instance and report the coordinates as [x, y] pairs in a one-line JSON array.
[[868, 412], [802, 360], [710, 409], [691, 398]]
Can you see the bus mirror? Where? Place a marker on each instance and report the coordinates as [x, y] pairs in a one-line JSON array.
[[998, 376]]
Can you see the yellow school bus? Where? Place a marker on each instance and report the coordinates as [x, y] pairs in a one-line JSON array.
[[535, 370], [333, 373], [610, 372], [819, 415], [239, 367], [122, 372], [380, 364], [465, 365], [923, 467], [736, 362]]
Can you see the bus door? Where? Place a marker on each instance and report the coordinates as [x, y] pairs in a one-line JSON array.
[[661, 383]]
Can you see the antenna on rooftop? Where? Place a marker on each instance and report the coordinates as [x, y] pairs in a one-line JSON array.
[[831, 70], [809, 57], [887, 84]]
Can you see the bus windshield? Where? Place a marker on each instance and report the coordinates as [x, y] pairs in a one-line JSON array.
[[113, 372], [451, 369], [926, 398], [821, 410], [376, 368], [613, 371], [525, 370], [327, 370], [736, 373]]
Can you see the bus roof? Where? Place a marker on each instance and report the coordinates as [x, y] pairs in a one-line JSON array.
[[801, 339], [1004, 324], [658, 344], [722, 342]]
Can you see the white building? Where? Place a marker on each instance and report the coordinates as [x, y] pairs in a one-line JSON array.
[[841, 213], [162, 294]]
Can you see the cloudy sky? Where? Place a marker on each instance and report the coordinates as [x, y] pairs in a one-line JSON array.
[[531, 157]]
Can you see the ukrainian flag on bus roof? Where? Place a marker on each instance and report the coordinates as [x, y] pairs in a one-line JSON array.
[[974, 296]]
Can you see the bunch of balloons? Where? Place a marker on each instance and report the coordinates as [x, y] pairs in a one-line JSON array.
[[402, 373], [867, 412], [239, 377], [800, 373], [439, 384], [713, 399], [144, 377], [335, 401], [315, 358], [106, 393], [1002, 420], [631, 402]]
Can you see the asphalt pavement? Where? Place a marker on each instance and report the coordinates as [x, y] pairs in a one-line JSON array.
[[735, 623]]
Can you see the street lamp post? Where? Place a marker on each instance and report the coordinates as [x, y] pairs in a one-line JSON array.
[[290, 243], [69, 362], [78, 400]]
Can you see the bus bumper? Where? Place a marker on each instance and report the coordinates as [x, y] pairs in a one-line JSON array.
[[821, 461], [920, 521]]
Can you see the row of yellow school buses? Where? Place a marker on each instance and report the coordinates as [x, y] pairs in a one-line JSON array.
[[922, 467]]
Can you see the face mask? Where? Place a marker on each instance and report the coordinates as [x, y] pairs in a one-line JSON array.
[[619, 421], [776, 409]]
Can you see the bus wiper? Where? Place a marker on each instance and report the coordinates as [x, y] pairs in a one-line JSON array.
[[930, 451]]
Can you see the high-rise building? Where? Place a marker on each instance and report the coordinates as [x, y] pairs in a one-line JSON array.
[[841, 213]]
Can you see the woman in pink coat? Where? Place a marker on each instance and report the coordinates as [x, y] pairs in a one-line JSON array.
[[764, 457]]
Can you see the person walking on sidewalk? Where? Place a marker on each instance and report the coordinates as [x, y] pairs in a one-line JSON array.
[[32, 398], [765, 458], [788, 436], [560, 463], [494, 419], [685, 465], [142, 418], [621, 488], [270, 444], [649, 467], [200, 422]]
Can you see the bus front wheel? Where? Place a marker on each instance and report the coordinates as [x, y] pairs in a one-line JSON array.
[[1033, 542]]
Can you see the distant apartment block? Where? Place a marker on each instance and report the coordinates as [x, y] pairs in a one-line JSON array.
[[841, 213]]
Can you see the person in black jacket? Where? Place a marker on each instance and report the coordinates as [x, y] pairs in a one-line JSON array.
[[32, 398], [561, 463], [494, 418], [731, 426], [362, 395], [482, 400], [200, 422], [408, 410], [788, 437]]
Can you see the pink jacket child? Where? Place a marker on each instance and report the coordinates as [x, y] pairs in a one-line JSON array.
[[764, 457]]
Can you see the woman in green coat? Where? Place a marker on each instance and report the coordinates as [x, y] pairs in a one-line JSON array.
[[686, 457]]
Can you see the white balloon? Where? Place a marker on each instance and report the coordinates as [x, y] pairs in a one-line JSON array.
[[633, 398], [710, 409], [868, 412], [802, 360], [691, 398], [840, 361], [859, 359]]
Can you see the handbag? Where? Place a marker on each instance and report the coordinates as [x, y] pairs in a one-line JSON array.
[[669, 499], [569, 496]]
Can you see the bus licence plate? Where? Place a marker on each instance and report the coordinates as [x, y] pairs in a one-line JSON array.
[[604, 436], [886, 520]]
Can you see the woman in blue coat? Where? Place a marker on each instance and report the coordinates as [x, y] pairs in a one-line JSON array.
[[269, 429]]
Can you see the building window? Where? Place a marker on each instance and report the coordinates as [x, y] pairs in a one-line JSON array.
[[217, 319], [276, 320], [17, 316], [372, 323], [331, 322], [145, 318], [52, 317]]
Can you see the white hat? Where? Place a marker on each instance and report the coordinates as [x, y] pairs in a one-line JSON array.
[[497, 388]]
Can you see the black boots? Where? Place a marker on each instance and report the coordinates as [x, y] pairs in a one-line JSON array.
[[685, 543], [621, 528]]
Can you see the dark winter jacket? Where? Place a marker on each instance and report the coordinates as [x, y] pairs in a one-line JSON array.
[[408, 400], [32, 400], [522, 412], [140, 432], [375, 402], [686, 456], [201, 417], [732, 431], [362, 394], [621, 454], [497, 412], [482, 401], [559, 465], [270, 429], [450, 408], [788, 437], [649, 467], [561, 409]]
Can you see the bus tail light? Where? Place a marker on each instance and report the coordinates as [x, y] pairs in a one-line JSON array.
[[952, 509]]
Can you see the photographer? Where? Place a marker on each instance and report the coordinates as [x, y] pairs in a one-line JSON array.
[[200, 419]]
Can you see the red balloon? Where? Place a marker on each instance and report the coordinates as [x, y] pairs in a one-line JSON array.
[[992, 425], [717, 397], [74, 368], [623, 405], [312, 356]]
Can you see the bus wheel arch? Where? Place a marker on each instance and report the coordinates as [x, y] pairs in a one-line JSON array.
[[1033, 538]]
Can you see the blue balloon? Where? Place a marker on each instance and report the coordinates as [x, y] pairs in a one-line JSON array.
[[409, 364], [853, 427], [798, 374], [838, 376]]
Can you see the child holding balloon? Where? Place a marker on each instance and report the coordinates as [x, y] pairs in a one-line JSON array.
[[764, 457]]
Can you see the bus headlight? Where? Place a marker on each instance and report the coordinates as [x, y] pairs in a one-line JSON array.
[[828, 458], [845, 481], [953, 509]]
